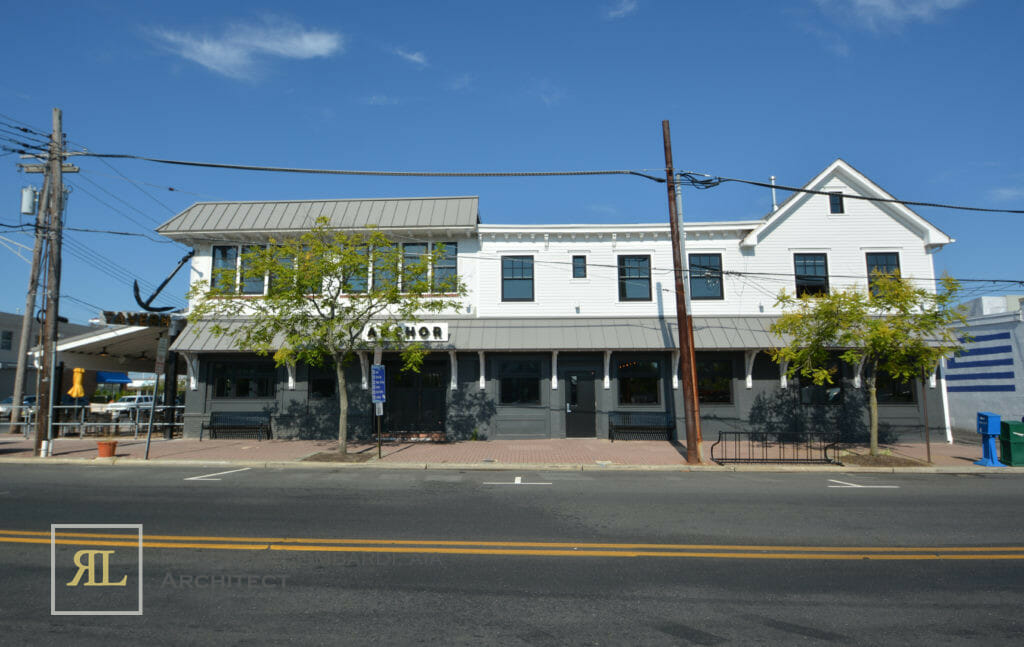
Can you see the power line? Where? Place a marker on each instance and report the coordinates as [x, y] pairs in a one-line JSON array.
[[115, 209], [279, 169], [705, 181], [27, 226], [155, 186]]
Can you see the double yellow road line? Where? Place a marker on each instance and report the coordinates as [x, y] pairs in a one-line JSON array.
[[529, 548]]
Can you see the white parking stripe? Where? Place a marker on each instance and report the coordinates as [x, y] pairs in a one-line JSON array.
[[844, 484], [206, 477]]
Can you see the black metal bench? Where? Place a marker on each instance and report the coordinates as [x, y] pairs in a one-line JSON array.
[[781, 447], [635, 425], [238, 424]]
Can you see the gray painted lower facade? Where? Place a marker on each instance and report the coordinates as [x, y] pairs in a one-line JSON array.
[[517, 400]]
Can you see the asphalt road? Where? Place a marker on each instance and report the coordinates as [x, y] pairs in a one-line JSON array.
[[364, 556]]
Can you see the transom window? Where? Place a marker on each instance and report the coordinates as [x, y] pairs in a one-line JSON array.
[[634, 278], [639, 381], [517, 278], [811, 274], [706, 276], [881, 263], [835, 202], [579, 267]]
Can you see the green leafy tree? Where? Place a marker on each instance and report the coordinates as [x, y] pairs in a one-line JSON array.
[[323, 289], [893, 327]]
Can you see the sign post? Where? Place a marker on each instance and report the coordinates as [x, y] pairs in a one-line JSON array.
[[377, 395]]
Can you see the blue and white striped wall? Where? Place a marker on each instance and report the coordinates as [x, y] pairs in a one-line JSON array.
[[989, 374]]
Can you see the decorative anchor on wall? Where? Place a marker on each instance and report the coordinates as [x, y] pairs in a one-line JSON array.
[[145, 304]]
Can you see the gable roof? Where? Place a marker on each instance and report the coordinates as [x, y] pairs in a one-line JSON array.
[[300, 215], [929, 233]]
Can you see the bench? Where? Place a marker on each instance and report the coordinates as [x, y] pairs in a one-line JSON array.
[[238, 424], [646, 425]]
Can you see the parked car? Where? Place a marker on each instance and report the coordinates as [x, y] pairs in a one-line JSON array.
[[129, 405], [7, 404]]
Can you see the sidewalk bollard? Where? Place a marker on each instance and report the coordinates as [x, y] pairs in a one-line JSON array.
[[988, 427], [44, 449]]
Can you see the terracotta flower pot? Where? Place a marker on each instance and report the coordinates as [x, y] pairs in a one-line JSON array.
[[106, 448]]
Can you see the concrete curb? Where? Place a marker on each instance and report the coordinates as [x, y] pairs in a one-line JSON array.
[[505, 467]]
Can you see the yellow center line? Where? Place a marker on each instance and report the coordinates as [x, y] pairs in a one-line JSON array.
[[566, 549]]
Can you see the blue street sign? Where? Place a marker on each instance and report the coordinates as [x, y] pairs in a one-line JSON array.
[[377, 382]]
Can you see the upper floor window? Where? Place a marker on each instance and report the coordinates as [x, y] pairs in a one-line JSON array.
[[881, 263], [385, 270], [414, 272], [517, 278], [250, 284], [706, 276], [634, 278], [225, 266], [6, 339], [811, 274], [579, 267], [445, 267], [835, 202]]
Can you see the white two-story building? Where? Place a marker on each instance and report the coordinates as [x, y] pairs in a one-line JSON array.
[[565, 325]]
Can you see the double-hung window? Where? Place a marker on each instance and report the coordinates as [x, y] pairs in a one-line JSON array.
[[811, 274], [385, 270], [250, 283], [881, 263], [579, 267], [414, 270], [634, 278], [517, 278], [835, 203], [445, 267], [706, 276], [225, 267], [6, 339]]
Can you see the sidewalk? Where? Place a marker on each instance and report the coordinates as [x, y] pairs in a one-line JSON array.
[[575, 453]]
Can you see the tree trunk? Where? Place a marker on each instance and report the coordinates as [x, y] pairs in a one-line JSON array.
[[873, 415], [342, 405]]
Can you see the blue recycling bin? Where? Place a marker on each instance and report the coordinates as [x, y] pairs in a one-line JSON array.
[[988, 427]]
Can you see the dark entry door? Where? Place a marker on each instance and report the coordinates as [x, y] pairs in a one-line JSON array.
[[416, 401], [580, 405]]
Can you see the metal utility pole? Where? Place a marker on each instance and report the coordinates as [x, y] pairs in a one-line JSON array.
[[30, 307], [684, 321], [55, 204]]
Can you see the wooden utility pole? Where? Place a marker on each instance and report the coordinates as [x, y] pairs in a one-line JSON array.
[[684, 322], [30, 307], [55, 204]]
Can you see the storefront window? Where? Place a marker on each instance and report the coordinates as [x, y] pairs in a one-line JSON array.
[[889, 390], [714, 380], [519, 381], [243, 379], [639, 381]]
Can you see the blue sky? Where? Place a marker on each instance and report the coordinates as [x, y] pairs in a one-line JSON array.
[[923, 96]]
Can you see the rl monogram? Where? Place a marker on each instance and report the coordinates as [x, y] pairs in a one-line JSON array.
[[90, 567]]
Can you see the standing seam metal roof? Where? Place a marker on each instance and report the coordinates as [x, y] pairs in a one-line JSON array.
[[298, 215]]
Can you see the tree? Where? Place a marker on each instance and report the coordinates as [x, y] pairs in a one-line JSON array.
[[323, 290], [892, 327]]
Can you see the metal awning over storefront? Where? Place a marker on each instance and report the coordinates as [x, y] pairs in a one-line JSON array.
[[546, 334], [114, 348]]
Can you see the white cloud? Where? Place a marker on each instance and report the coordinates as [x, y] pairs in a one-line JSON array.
[[547, 92], [890, 14], [621, 10], [236, 52], [381, 100], [830, 40], [419, 58], [461, 82], [1007, 194]]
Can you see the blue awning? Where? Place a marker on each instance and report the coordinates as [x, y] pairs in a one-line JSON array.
[[112, 377]]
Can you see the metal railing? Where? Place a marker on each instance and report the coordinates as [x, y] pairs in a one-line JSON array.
[[784, 448], [69, 420]]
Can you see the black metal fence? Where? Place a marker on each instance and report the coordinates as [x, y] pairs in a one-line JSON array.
[[783, 448]]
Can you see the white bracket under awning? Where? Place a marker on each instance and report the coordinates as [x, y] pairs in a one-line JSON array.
[[455, 370], [607, 364], [191, 366], [291, 376], [675, 369], [364, 360], [858, 373], [748, 362], [554, 366], [483, 380], [784, 374]]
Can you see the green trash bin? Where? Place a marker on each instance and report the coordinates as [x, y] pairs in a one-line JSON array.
[[1011, 443]]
